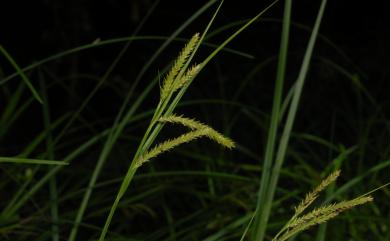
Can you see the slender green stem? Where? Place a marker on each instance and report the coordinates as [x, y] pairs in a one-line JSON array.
[[266, 208], [152, 130], [126, 182], [259, 226], [50, 153]]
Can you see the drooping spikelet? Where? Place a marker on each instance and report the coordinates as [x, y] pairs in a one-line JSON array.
[[187, 122], [194, 124], [220, 139], [169, 81], [169, 144], [198, 130]]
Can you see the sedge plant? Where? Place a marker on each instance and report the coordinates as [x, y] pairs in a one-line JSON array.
[[178, 77], [177, 80], [172, 87]]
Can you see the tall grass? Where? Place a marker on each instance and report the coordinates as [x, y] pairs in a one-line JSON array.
[[83, 178]]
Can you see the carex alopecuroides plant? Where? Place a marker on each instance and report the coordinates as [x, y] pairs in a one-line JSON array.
[[178, 78]]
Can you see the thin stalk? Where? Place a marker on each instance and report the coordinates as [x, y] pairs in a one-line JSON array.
[[288, 127], [259, 229], [50, 154]]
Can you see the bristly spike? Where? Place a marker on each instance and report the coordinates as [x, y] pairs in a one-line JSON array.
[[169, 81], [187, 122], [168, 145], [194, 124], [311, 196], [187, 77]]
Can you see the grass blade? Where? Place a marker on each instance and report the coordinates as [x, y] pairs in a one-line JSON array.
[[259, 226], [281, 152], [31, 161], [21, 73]]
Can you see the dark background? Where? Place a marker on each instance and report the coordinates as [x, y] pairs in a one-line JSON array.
[[32, 30]]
